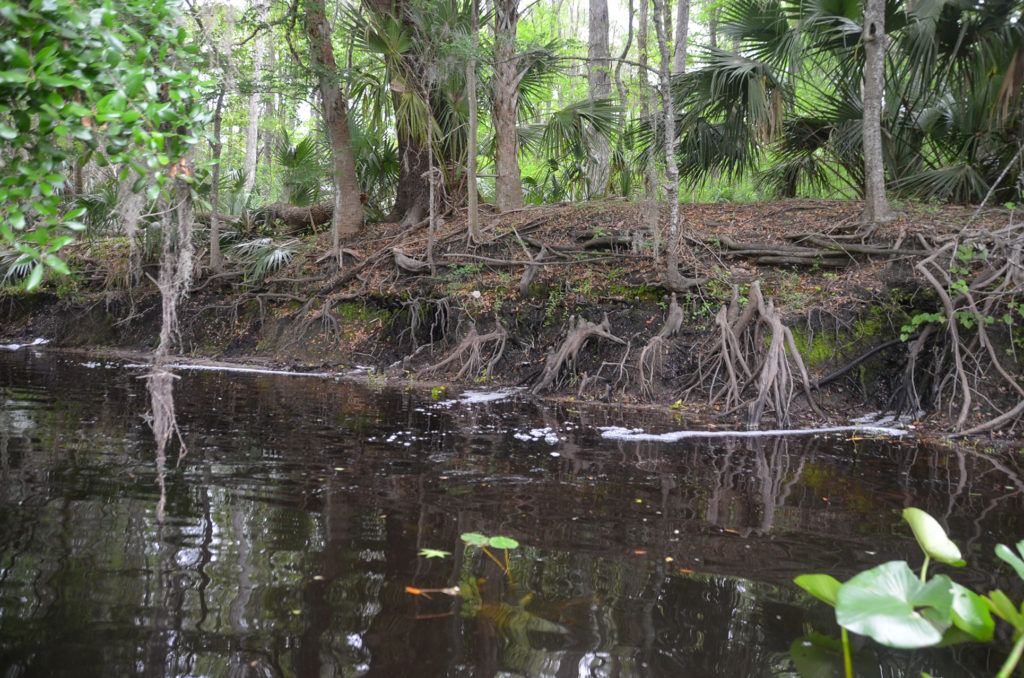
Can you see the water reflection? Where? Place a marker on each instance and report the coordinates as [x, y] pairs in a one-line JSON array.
[[293, 529]]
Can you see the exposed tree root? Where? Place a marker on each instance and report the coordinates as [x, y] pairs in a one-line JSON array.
[[469, 354], [747, 366], [579, 333], [978, 281], [649, 365]]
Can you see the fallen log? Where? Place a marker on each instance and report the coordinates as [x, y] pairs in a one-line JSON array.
[[296, 218]]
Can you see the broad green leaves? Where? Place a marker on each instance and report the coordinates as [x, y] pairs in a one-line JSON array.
[[82, 77], [898, 608], [890, 604]]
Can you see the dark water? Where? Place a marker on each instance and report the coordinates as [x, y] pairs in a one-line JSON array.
[[292, 530]]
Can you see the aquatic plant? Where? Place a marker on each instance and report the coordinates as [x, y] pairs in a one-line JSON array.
[[897, 608], [506, 544]]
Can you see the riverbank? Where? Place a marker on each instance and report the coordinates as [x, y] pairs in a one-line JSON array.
[[569, 301]]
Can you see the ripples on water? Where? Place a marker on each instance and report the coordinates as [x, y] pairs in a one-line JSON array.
[[293, 526]]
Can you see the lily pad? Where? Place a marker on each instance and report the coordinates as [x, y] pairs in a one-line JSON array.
[[503, 543], [932, 538], [474, 538], [890, 604]]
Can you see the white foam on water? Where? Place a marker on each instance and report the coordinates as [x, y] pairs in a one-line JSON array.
[[39, 341], [546, 434], [622, 433], [474, 397], [248, 370]]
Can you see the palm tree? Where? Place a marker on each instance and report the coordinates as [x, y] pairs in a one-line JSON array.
[[790, 101]]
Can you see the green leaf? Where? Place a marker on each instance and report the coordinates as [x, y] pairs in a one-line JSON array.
[[1003, 607], [822, 586], [971, 614], [474, 538], [890, 604], [932, 538], [503, 543], [434, 553], [1010, 558], [57, 264], [35, 277]]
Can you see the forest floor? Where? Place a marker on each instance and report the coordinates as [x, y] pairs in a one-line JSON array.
[[566, 300]]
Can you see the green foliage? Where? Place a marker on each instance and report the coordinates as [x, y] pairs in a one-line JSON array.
[[82, 77], [263, 256], [304, 164], [897, 608], [485, 543], [434, 553]]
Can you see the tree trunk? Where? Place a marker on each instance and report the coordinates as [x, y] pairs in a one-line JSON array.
[[682, 31], [216, 145], [270, 116], [713, 27], [347, 218], [876, 206], [413, 191], [508, 186], [648, 111], [473, 215], [252, 130], [673, 280], [599, 84]]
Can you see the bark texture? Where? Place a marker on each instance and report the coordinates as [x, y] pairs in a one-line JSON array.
[[673, 280], [599, 83], [347, 218], [682, 33], [508, 189], [252, 128], [473, 216], [876, 206]]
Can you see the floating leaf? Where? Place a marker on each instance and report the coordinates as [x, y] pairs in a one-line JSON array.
[[890, 604], [822, 586], [503, 543], [474, 539], [434, 553], [932, 538]]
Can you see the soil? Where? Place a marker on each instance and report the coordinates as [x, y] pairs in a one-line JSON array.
[[385, 309]]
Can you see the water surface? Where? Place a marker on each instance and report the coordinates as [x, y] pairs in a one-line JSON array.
[[292, 530]]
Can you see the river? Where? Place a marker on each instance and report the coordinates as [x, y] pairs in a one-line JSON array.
[[291, 537]]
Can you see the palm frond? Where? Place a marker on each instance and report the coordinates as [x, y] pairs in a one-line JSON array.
[[263, 256]]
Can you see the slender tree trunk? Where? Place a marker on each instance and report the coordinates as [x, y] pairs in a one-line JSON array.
[[625, 55], [599, 84], [252, 129], [673, 280], [876, 206], [508, 188], [216, 263], [648, 111], [473, 215], [682, 31], [347, 219], [270, 115], [713, 27]]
